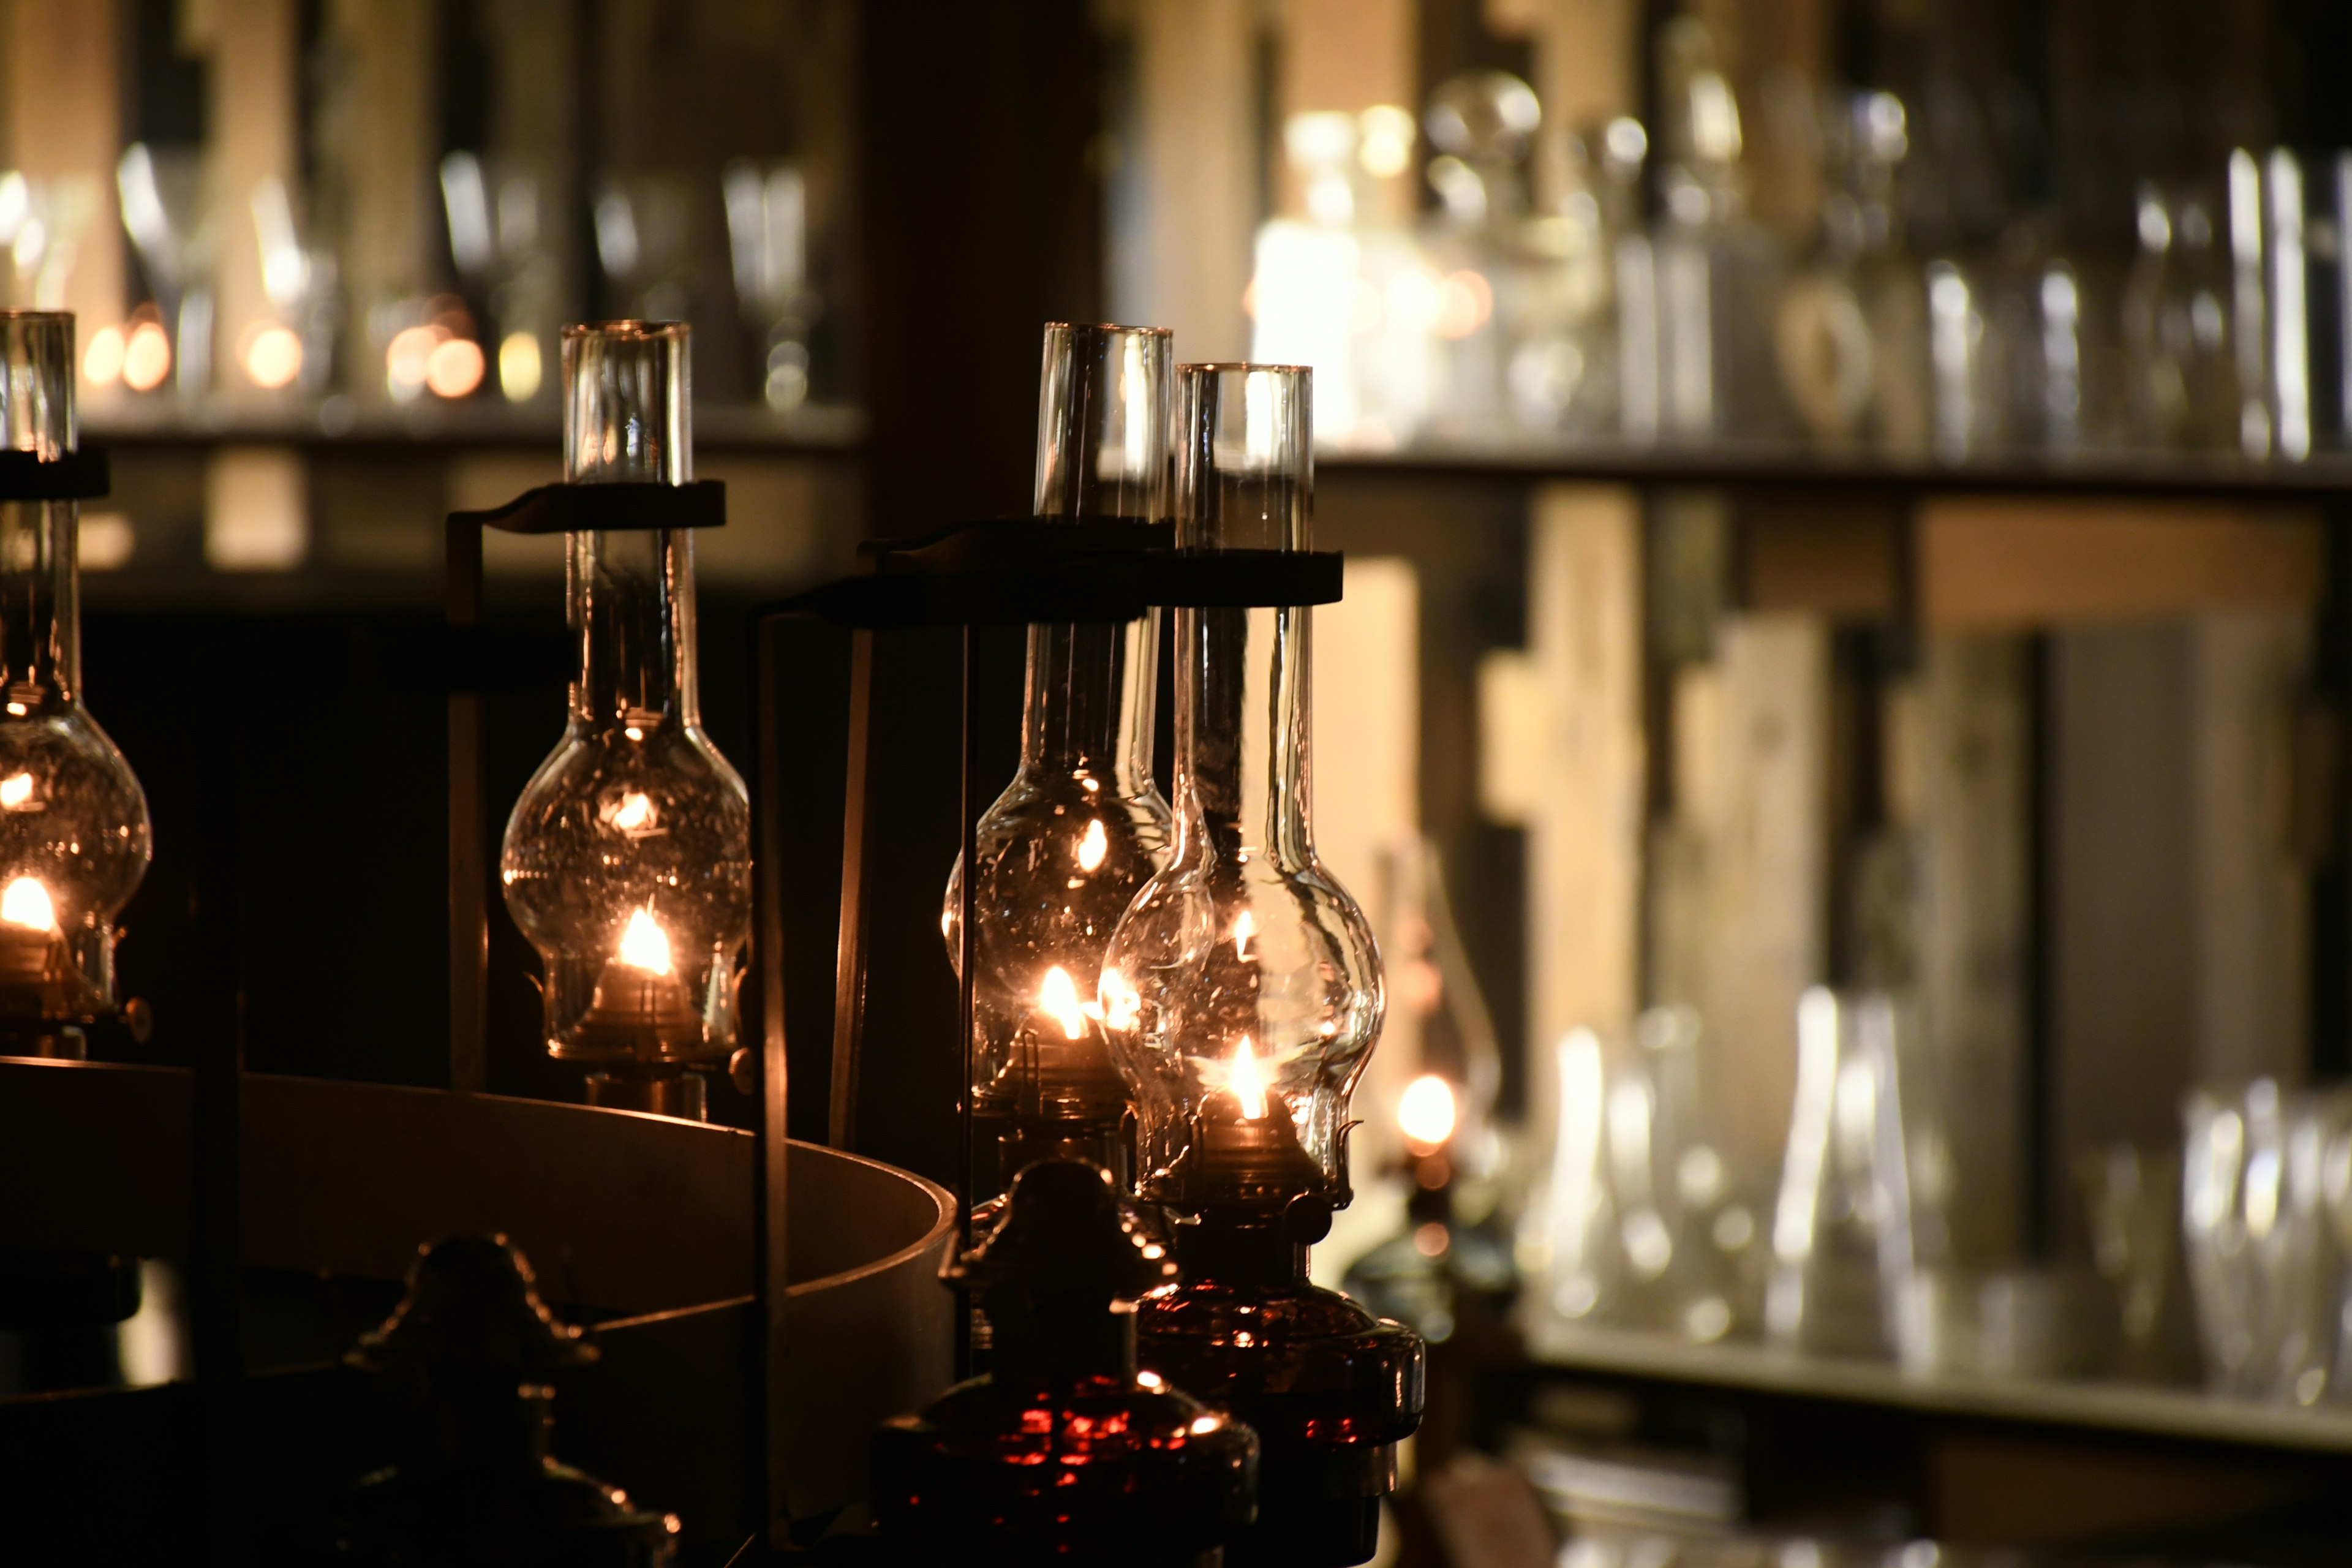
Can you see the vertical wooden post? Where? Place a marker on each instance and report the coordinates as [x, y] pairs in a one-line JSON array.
[[1764, 817], [1961, 780], [1584, 833], [1188, 263], [376, 151], [254, 79], [65, 122]]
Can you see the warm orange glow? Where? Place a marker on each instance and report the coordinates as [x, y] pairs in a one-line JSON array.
[[454, 368], [146, 358], [101, 358], [1059, 996], [1204, 1425], [1244, 928], [406, 356], [1120, 1004], [27, 903], [15, 790], [1464, 301], [634, 812], [1093, 846], [519, 367], [273, 356], [1426, 1111], [645, 945], [1247, 1081]]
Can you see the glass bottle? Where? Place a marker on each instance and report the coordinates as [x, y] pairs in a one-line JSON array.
[[1852, 329], [627, 860], [1841, 1230], [1082, 824], [74, 840], [1243, 993]]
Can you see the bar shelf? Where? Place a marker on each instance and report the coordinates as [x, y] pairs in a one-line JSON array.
[[2114, 473], [814, 429], [2136, 1409]]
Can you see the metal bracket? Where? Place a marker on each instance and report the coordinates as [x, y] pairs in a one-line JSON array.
[[83, 475]]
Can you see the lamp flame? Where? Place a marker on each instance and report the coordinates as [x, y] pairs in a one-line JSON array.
[[634, 812], [1248, 1080], [1426, 1113], [644, 944], [16, 789], [1092, 848], [27, 903], [1245, 927], [1059, 996]]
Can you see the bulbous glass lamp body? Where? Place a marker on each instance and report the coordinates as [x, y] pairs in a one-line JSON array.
[[1082, 825], [74, 833], [628, 858], [1243, 987]]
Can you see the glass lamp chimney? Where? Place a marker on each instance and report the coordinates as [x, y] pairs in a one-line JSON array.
[[627, 860], [74, 837], [1243, 989], [1082, 825]]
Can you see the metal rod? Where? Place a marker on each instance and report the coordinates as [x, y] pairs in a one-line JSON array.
[[771, 1206], [967, 977], [216, 1283], [470, 922], [849, 977]]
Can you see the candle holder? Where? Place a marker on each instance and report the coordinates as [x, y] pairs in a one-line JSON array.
[[627, 860], [1082, 825], [1243, 994], [74, 836], [1065, 1451]]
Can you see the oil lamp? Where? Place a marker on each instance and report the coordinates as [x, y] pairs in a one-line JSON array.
[[627, 860], [1082, 825], [471, 1354], [1241, 992], [73, 820], [1065, 1451]]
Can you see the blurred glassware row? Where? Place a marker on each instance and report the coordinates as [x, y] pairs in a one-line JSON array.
[[2233, 1253], [1639, 300], [492, 336]]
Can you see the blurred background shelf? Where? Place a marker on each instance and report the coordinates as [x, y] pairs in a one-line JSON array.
[[425, 425], [2185, 1414], [2107, 474]]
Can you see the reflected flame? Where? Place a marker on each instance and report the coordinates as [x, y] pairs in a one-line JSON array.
[[1248, 1080], [1426, 1111], [1245, 927], [1120, 1004], [27, 903], [16, 789], [1059, 996], [635, 813], [644, 944], [1093, 846]]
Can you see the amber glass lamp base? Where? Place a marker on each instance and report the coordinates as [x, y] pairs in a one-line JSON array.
[[1329, 1388]]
